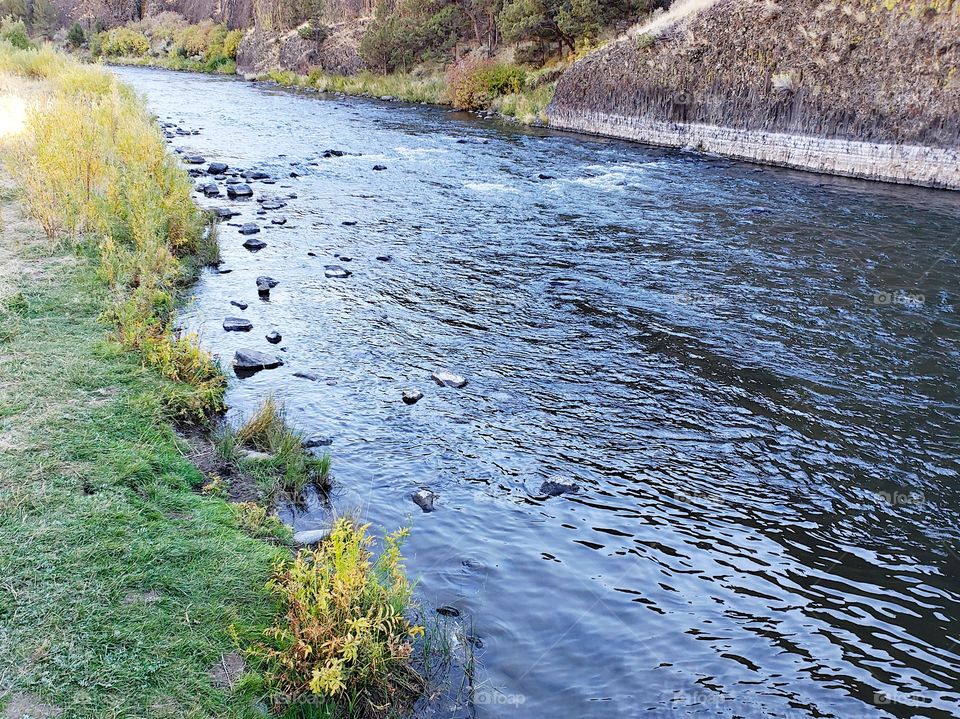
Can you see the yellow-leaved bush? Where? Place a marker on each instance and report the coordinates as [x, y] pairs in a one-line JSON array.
[[95, 170], [345, 641]]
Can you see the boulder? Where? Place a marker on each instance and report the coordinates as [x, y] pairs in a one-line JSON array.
[[255, 175], [556, 487], [274, 337], [424, 499], [310, 536], [265, 284], [336, 272], [193, 159], [212, 190], [412, 396], [225, 213], [254, 361], [249, 228], [237, 324], [217, 168], [239, 190], [253, 244], [445, 378]]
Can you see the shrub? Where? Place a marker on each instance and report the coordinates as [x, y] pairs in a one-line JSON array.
[[124, 42], [76, 36], [93, 165], [345, 642], [472, 84], [15, 33]]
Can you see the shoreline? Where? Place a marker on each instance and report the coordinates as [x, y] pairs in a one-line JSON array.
[[913, 165]]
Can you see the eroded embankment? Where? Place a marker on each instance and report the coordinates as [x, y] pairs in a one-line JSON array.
[[852, 89]]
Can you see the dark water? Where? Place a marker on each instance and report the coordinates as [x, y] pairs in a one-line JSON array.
[[760, 407]]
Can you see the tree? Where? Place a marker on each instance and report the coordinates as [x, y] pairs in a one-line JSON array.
[[43, 18], [559, 21], [76, 36]]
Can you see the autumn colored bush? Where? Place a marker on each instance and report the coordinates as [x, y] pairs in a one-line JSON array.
[[473, 84]]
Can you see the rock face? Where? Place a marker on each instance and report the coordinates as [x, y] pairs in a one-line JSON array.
[[237, 324], [764, 100], [253, 361], [445, 378], [261, 51]]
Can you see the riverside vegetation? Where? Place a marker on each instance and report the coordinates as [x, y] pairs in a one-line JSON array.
[[129, 579]]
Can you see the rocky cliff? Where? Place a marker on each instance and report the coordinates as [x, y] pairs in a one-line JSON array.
[[858, 88]]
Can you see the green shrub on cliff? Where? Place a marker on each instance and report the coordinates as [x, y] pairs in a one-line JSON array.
[[472, 84]]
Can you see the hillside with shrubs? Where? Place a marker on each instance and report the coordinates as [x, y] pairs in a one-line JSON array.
[[503, 55]]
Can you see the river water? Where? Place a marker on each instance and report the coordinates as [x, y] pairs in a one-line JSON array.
[[751, 375]]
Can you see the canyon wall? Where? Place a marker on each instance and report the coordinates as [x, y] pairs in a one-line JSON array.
[[851, 88]]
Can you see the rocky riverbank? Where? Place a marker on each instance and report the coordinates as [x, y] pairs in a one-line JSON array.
[[853, 89]]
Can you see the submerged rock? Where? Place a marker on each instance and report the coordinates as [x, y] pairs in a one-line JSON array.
[[317, 441], [447, 611], [543, 176], [239, 190], [241, 305], [412, 396], [306, 375], [237, 324], [273, 204], [249, 228], [379, 168], [556, 487], [424, 499], [253, 361], [336, 272], [274, 337], [311, 536], [445, 378]]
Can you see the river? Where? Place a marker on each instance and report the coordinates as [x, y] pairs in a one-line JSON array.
[[753, 375]]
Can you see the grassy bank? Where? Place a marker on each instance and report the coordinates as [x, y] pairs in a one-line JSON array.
[[132, 585]]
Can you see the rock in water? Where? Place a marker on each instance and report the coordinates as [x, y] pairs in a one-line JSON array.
[[447, 611], [384, 258], [212, 190], [254, 245], [274, 337], [424, 499], [556, 487], [273, 204], [336, 272], [310, 536], [379, 168], [265, 284], [249, 228], [278, 221], [241, 305], [217, 168], [317, 441], [306, 375], [237, 324], [412, 396], [250, 361], [445, 378], [194, 160], [255, 175], [225, 213], [241, 190]]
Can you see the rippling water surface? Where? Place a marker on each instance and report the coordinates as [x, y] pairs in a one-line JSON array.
[[753, 376]]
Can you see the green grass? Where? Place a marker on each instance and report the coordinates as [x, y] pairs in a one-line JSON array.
[[97, 505]]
